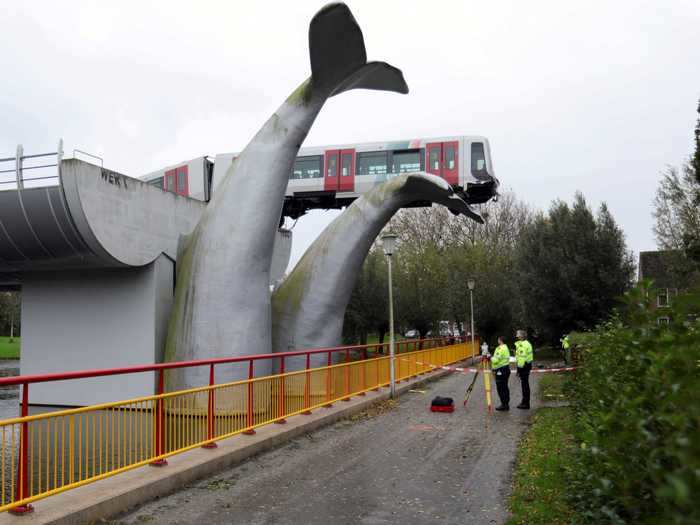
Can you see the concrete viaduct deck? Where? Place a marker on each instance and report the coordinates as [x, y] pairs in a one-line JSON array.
[[95, 255]]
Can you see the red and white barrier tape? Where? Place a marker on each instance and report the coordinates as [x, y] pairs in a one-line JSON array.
[[545, 370], [473, 370]]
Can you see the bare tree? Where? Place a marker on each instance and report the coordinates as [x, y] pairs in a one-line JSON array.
[[676, 213], [437, 227]]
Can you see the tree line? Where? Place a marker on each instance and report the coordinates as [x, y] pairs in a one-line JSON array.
[[636, 457], [550, 273]]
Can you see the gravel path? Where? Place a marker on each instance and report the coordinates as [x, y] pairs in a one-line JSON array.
[[396, 464]]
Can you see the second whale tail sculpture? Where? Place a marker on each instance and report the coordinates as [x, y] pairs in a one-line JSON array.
[[222, 298], [309, 306]]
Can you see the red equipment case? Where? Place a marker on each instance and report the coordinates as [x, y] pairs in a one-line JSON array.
[[434, 408]]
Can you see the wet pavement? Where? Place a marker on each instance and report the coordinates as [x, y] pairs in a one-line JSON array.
[[396, 464], [9, 396]]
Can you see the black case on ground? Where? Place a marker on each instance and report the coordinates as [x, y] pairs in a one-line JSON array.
[[442, 401]]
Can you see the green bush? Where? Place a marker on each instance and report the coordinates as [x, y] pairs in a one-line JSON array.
[[637, 402]]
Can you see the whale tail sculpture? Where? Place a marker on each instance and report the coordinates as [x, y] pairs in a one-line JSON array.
[[338, 56], [309, 306], [222, 298]]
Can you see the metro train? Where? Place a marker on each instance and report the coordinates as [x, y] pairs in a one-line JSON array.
[[333, 176]]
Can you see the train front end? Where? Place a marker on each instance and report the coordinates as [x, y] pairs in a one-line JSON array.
[[480, 183]]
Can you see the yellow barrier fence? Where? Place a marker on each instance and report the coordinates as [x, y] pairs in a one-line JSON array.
[[69, 448]]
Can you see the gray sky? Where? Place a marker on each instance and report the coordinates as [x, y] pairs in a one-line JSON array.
[[595, 96]]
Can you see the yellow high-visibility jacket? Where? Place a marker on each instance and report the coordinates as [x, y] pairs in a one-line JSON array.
[[523, 353], [501, 357]]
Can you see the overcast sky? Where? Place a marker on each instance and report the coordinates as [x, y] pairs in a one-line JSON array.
[[595, 96]]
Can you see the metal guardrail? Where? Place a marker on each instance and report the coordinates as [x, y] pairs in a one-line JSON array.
[[49, 453], [21, 165]]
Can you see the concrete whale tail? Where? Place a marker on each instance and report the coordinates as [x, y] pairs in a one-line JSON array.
[[308, 308], [338, 56], [439, 191], [224, 272]]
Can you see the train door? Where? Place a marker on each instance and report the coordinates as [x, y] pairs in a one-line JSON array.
[[433, 158], [330, 175], [450, 164], [346, 181], [176, 180], [442, 159], [170, 180]]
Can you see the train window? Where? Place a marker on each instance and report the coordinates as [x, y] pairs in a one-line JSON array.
[[346, 165], [332, 165], [449, 156], [170, 180], [157, 182], [372, 163], [308, 167], [434, 159], [181, 180], [478, 158], [406, 161]]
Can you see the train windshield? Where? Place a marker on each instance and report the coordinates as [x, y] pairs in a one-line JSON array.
[[479, 160]]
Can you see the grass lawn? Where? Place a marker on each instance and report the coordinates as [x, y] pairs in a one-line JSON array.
[[539, 480], [551, 386], [9, 350], [548, 352]]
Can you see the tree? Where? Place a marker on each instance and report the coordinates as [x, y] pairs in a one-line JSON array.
[[676, 212], [420, 282], [439, 252], [677, 209], [572, 267], [368, 309], [695, 163], [9, 313]]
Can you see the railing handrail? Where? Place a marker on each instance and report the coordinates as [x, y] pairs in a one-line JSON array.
[[19, 168], [135, 369], [103, 440]]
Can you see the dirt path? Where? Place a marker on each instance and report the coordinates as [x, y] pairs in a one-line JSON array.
[[401, 465]]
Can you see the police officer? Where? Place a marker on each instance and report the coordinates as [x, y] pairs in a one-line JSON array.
[[500, 362], [566, 347], [523, 358]]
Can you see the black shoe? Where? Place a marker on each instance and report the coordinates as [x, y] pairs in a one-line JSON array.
[[523, 407], [503, 408]]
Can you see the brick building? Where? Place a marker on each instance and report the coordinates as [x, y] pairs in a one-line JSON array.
[[662, 268]]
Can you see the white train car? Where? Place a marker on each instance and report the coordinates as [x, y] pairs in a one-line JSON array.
[[333, 176], [191, 178]]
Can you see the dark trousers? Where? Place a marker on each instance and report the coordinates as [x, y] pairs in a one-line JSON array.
[[524, 374], [502, 374]]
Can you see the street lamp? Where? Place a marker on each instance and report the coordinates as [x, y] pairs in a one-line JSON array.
[[388, 244], [470, 284]]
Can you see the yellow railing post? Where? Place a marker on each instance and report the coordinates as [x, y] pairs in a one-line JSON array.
[[23, 460]]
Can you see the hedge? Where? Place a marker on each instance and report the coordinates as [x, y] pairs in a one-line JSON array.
[[636, 399]]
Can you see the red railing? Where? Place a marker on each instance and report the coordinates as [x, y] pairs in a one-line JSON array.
[[364, 353]]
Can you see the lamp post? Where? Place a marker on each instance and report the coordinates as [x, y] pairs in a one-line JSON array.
[[388, 244], [470, 285]]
